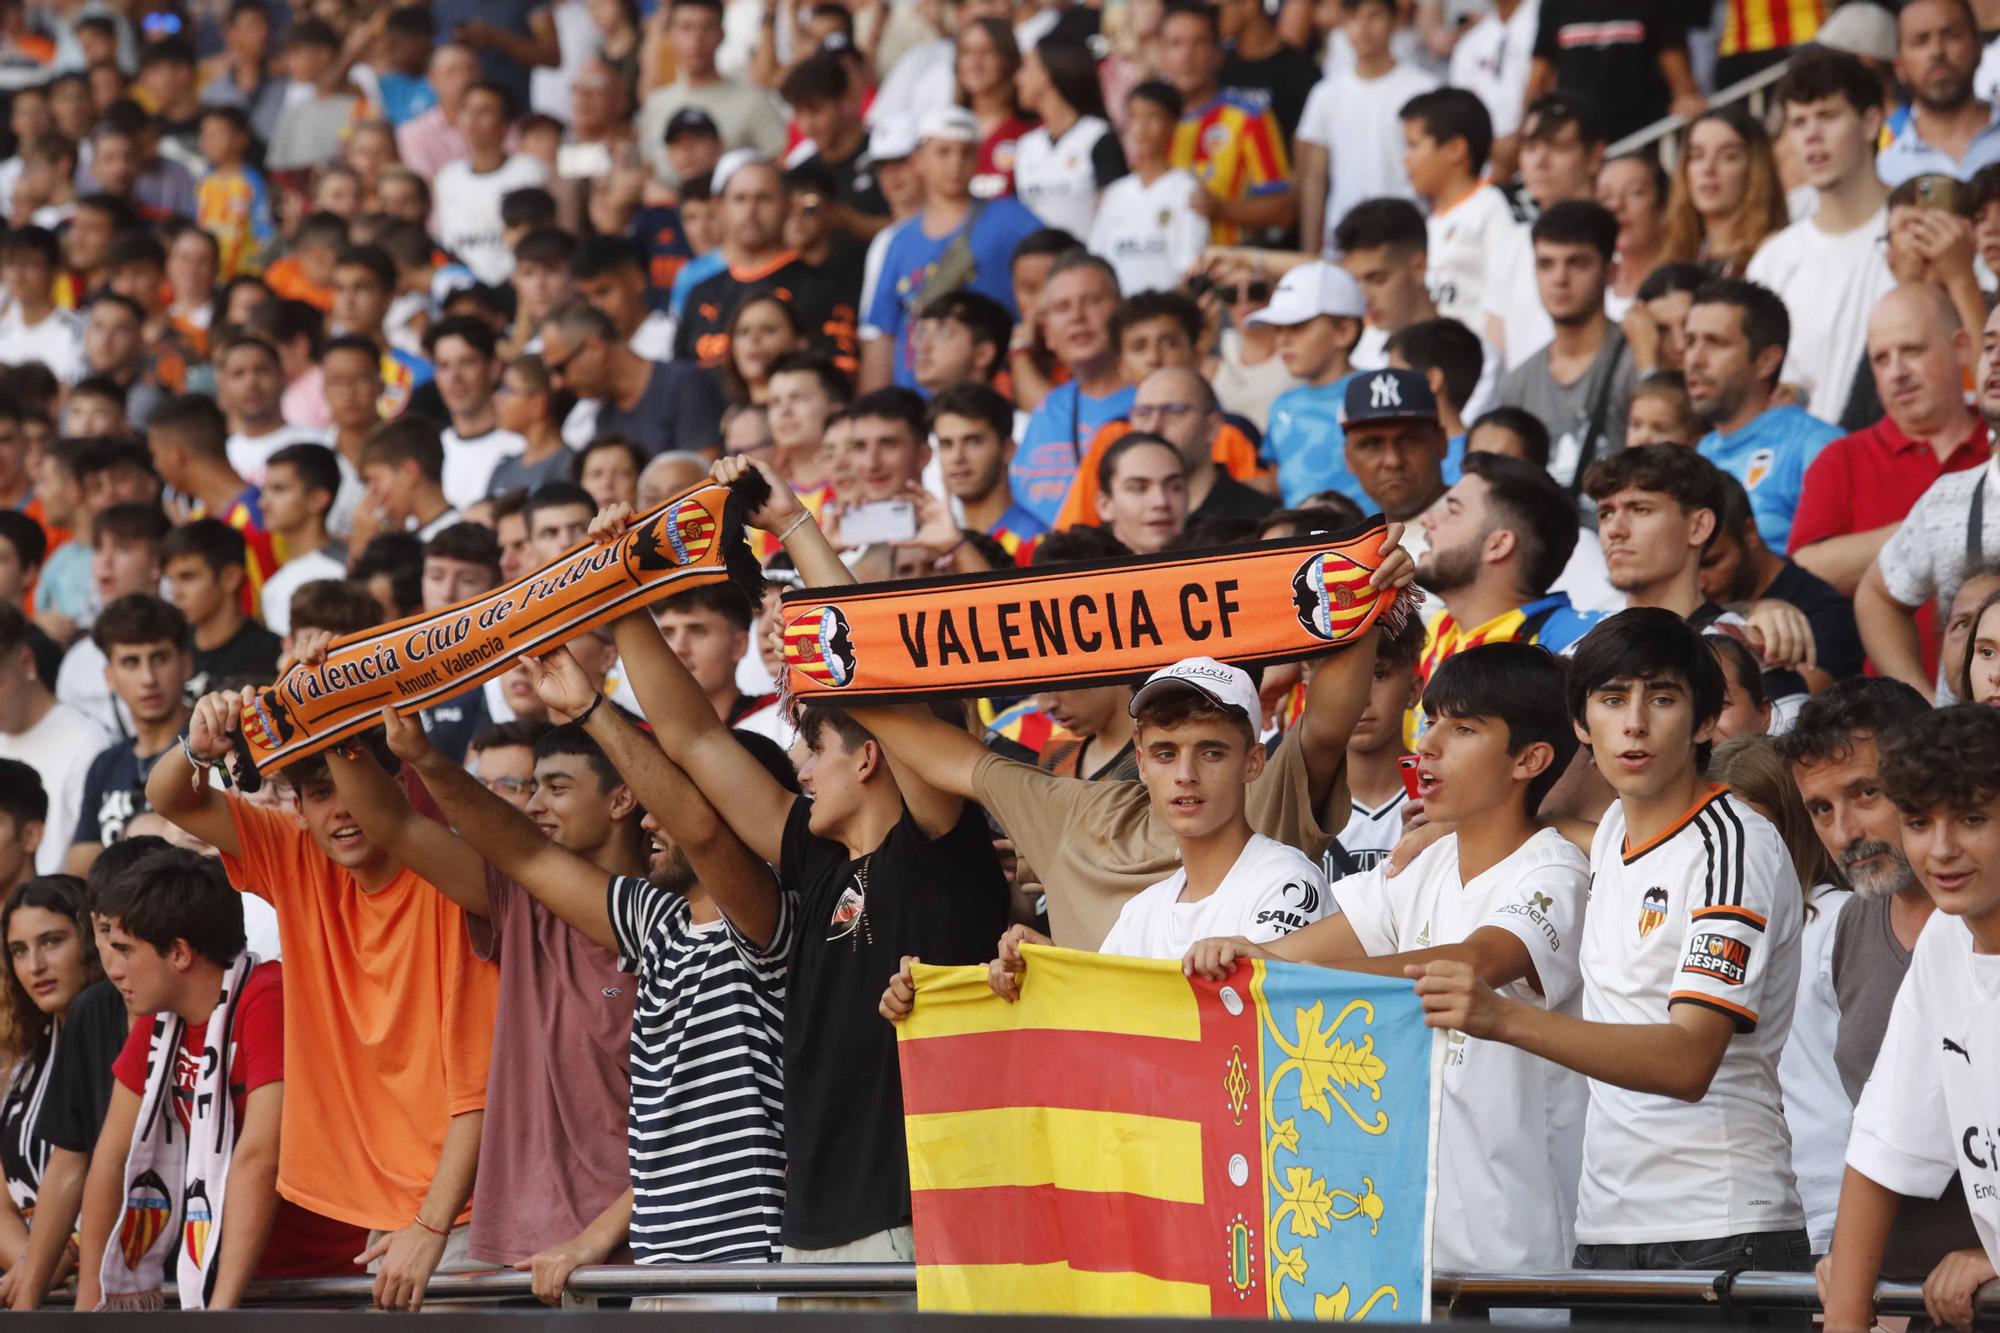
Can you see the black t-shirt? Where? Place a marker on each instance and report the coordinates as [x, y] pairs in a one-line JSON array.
[[657, 228], [945, 901], [681, 409], [80, 1085], [1285, 79], [114, 791], [251, 651], [1836, 640], [1229, 498], [1609, 52], [825, 298], [858, 189]]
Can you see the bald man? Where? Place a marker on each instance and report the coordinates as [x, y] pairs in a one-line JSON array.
[[1180, 407], [669, 474], [1862, 486]]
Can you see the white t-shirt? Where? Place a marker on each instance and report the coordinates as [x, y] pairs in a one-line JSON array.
[[469, 464], [1058, 178], [1829, 284], [249, 454], [1508, 1121], [1817, 1111], [1932, 1104], [1491, 61], [60, 748], [56, 342], [1358, 122], [465, 214], [1148, 233], [1463, 239], [1513, 299], [654, 338], [1707, 914], [275, 602], [1272, 890], [80, 683]]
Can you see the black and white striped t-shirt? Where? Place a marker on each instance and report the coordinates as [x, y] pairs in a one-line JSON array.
[[706, 1128]]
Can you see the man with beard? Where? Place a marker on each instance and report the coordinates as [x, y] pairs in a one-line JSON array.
[[1834, 749], [1949, 131], [1581, 383], [1498, 544], [1737, 335]]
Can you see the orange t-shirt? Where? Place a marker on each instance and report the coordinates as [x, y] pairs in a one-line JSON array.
[[289, 281], [1231, 450], [388, 1024]]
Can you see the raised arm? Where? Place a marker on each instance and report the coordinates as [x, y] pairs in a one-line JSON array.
[[180, 791], [382, 808], [497, 834], [741, 884], [1338, 694]]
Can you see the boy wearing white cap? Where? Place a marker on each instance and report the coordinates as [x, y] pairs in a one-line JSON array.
[[1196, 737], [1317, 310], [955, 242]]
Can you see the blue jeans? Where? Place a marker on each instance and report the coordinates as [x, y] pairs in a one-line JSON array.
[[1756, 1251]]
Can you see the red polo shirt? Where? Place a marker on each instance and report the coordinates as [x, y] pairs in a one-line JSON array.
[[1871, 478]]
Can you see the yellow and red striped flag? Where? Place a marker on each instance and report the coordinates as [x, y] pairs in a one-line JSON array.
[[1124, 1140]]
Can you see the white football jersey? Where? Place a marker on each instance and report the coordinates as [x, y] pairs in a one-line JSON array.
[[1707, 913]]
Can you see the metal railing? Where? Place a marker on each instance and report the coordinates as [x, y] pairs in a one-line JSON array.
[[1750, 90], [1455, 1294]]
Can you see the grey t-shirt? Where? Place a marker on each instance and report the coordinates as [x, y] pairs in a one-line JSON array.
[[1565, 408], [681, 409], [1868, 967], [511, 474]]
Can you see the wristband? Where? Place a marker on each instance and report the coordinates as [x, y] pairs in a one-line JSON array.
[[584, 716], [428, 1227], [794, 525], [197, 760]]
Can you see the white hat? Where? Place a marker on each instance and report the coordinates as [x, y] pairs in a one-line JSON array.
[[1224, 684], [729, 164], [953, 124], [1309, 291], [893, 139], [1860, 30]]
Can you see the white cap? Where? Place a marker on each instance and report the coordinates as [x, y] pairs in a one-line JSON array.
[[953, 124], [1224, 684], [893, 139], [729, 164], [1309, 291], [1860, 30]]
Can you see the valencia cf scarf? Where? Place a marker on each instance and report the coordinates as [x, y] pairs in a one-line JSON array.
[[176, 1179], [1096, 622], [690, 541]]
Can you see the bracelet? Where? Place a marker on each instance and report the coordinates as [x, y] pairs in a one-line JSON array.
[[428, 1227], [196, 759], [794, 526], [584, 716]]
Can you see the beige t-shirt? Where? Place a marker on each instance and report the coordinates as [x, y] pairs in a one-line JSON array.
[[1095, 844]]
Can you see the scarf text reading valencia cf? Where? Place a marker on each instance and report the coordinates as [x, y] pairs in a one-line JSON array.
[[1097, 622], [694, 539]]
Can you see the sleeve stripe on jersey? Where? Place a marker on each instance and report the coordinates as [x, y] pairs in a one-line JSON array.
[[1739, 914], [1746, 1019], [1724, 845], [1728, 812]]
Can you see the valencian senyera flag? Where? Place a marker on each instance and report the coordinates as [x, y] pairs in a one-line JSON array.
[[1124, 1140]]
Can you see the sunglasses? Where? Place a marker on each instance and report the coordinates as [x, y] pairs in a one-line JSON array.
[[1254, 292]]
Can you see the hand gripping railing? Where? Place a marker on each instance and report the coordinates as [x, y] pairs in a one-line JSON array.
[[1464, 1295]]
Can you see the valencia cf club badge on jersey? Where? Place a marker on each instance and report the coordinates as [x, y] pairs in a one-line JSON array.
[[1652, 911]]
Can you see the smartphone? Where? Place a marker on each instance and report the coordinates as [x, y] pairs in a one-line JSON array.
[[1941, 192], [882, 521], [1408, 766], [583, 161]]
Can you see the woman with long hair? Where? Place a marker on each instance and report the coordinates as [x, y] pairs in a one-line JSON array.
[[1816, 1106], [51, 957], [1634, 188], [1062, 165], [1726, 196], [761, 330], [987, 61]]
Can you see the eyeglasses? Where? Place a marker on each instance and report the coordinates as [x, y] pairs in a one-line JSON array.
[[1255, 292], [510, 787], [1160, 412]]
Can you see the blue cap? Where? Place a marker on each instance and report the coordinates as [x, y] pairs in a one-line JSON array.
[[1388, 395]]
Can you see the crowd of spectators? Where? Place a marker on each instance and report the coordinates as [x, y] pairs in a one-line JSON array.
[[1679, 798]]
